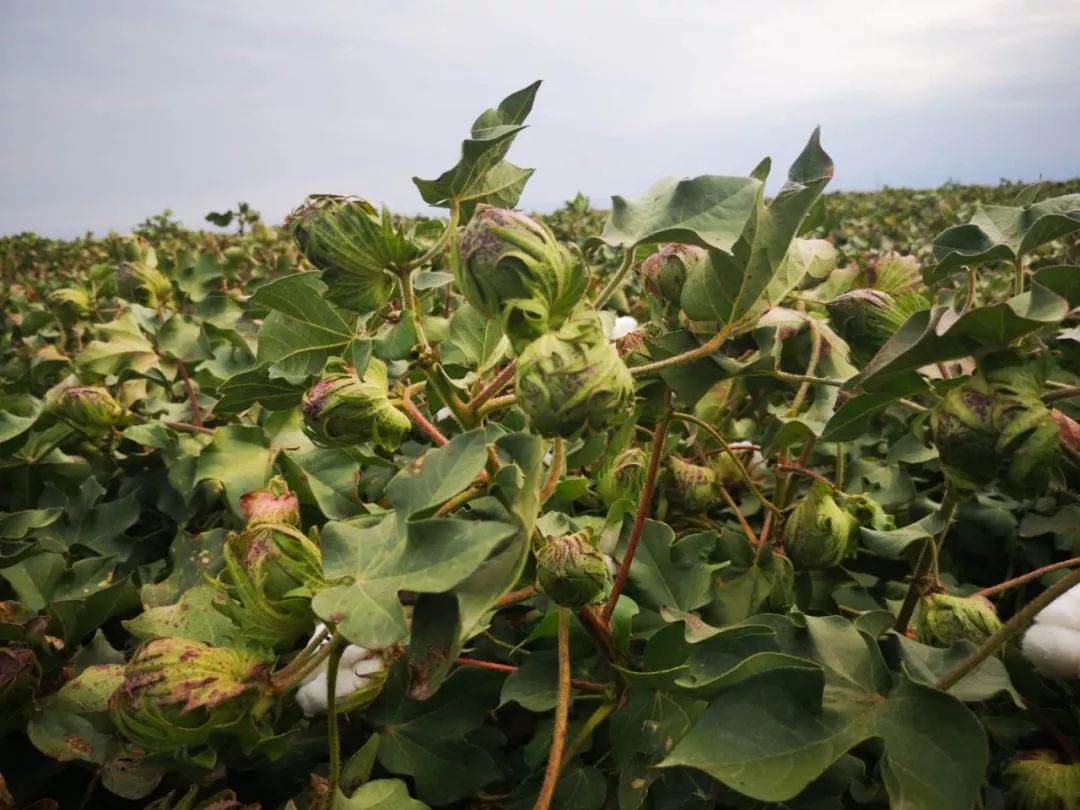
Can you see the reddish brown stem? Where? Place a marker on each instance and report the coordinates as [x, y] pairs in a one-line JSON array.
[[514, 597], [795, 468], [421, 421], [494, 666], [196, 412], [501, 380], [562, 713], [600, 632], [642, 514], [1024, 579]]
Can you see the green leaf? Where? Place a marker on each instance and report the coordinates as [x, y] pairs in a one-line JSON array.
[[431, 556], [438, 475], [382, 794], [192, 558], [1003, 232], [482, 174], [66, 736], [18, 412], [240, 457], [666, 573], [123, 348], [927, 665], [710, 211], [474, 342], [330, 475], [738, 285], [302, 330], [852, 418], [937, 334], [426, 740], [17, 525], [254, 387], [192, 617]]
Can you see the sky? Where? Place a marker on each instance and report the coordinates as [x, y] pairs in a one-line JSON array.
[[116, 109]]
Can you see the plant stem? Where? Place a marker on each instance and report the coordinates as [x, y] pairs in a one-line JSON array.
[[795, 468], [562, 712], [495, 404], [441, 242], [593, 722], [840, 454], [412, 304], [804, 378], [514, 597], [704, 350], [495, 666], [1062, 393], [600, 632], [811, 368], [500, 381], [911, 405], [1018, 278], [421, 421], [558, 458], [186, 428], [734, 507], [616, 280], [196, 412], [332, 732], [1017, 624], [739, 466], [300, 658], [284, 682], [927, 558], [642, 513], [1030, 576], [969, 301], [458, 500]]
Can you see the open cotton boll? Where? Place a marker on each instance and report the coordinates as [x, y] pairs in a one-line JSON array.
[[612, 566], [1053, 650], [1063, 611], [624, 325], [357, 663]]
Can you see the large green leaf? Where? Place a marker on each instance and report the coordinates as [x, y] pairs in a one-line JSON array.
[[240, 457], [666, 573], [303, 328], [254, 387], [710, 211], [1004, 232], [474, 341], [737, 285], [381, 794], [430, 556], [482, 174], [940, 333], [427, 740], [18, 412]]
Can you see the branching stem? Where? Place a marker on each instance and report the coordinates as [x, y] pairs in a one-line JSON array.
[[562, 713]]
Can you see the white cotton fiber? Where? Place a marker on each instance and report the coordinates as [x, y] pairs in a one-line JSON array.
[[1052, 643]]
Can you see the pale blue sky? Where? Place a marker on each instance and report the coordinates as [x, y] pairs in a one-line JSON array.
[[116, 109]]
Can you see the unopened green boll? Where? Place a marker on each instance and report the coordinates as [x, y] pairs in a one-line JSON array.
[[342, 410], [572, 570], [90, 409], [866, 318], [179, 693], [574, 379], [513, 269], [623, 476], [694, 487], [820, 533], [944, 619], [143, 284], [1028, 440], [664, 273], [963, 431], [353, 245], [1038, 781]]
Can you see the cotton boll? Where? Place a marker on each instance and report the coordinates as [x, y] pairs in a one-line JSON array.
[[442, 413], [357, 663], [624, 325], [1053, 650], [1063, 611], [612, 566]]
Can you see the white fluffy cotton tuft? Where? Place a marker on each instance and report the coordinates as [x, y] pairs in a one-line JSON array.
[[356, 664], [624, 325], [1052, 643]]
